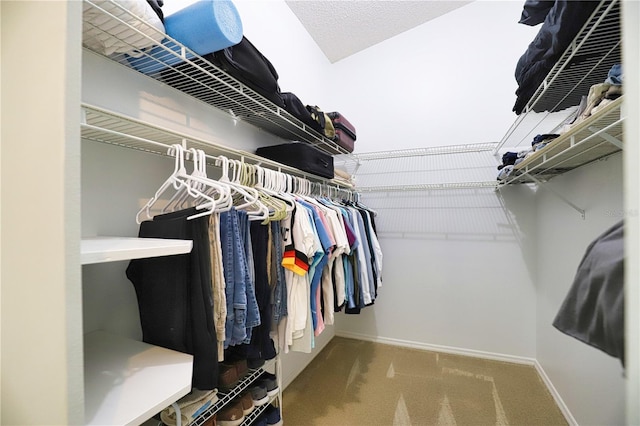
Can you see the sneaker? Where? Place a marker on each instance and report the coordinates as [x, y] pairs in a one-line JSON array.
[[259, 394], [247, 403], [227, 377], [270, 381], [272, 415], [230, 415], [260, 421]]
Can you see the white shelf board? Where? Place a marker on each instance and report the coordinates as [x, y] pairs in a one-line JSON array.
[[127, 382], [111, 249]]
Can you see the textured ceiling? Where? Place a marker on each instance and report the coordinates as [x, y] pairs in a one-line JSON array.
[[344, 27]]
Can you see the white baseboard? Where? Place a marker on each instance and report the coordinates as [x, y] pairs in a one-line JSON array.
[[556, 395], [440, 348], [474, 353]]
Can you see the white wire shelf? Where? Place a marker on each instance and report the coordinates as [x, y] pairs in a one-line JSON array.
[[183, 69], [464, 166], [418, 152], [598, 136], [586, 62], [100, 125], [430, 186]]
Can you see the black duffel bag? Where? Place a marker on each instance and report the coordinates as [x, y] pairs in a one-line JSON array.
[[294, 106], [246, 64]]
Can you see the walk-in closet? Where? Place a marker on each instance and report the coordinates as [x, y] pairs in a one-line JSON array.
[[159, 268]]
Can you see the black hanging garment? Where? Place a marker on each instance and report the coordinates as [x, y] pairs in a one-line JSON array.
[[593, 310], [174, 294], [261, 346]]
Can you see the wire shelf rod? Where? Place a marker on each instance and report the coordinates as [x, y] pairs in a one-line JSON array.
[[416, 152], [429, 186]]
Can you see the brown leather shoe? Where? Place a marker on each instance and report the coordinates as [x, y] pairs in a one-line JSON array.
[[241, 368], [231, 414], [227, 377], [247, 403]]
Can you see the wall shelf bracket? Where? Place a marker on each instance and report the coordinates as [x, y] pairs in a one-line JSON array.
[[560, 196]]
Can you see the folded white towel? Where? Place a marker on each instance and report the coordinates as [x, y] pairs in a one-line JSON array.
[[191, 406], [108, 29]]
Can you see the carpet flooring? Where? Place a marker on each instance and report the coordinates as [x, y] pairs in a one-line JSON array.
[[354, 382]]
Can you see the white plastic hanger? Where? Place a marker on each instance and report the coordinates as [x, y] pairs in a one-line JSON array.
[[199, 181], [245, 198], [176, 180]]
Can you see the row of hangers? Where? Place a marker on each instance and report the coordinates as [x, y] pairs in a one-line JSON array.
[[263, 193]]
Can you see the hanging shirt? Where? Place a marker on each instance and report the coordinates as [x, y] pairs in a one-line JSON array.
[[217, 278], [299, 248], [320, 259], [363, 277], [335, 258]]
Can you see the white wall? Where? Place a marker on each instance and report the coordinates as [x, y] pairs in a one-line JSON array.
[[449, 81], [590, 382], [462, 280], [631, 53], [41, 327]]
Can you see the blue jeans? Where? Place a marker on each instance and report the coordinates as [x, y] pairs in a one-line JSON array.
[[235, 277], [280, 289], [253, 314]]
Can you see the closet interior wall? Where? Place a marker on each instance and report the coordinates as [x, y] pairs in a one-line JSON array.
[[495, 280], [451, 247]]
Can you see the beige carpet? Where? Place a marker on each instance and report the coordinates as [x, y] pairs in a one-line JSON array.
[[353, 382]]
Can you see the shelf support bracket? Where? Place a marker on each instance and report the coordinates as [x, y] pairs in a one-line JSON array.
[[604, 135], [560, 196]]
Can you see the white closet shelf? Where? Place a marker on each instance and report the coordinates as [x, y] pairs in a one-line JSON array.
[[596, 137], [101, 125], [586, 62], [466, 166], [183, 69], [127, 382], [112, 249], [430, 186]]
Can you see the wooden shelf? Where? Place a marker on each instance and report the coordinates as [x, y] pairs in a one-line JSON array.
[[111, 249], [127, 382]]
